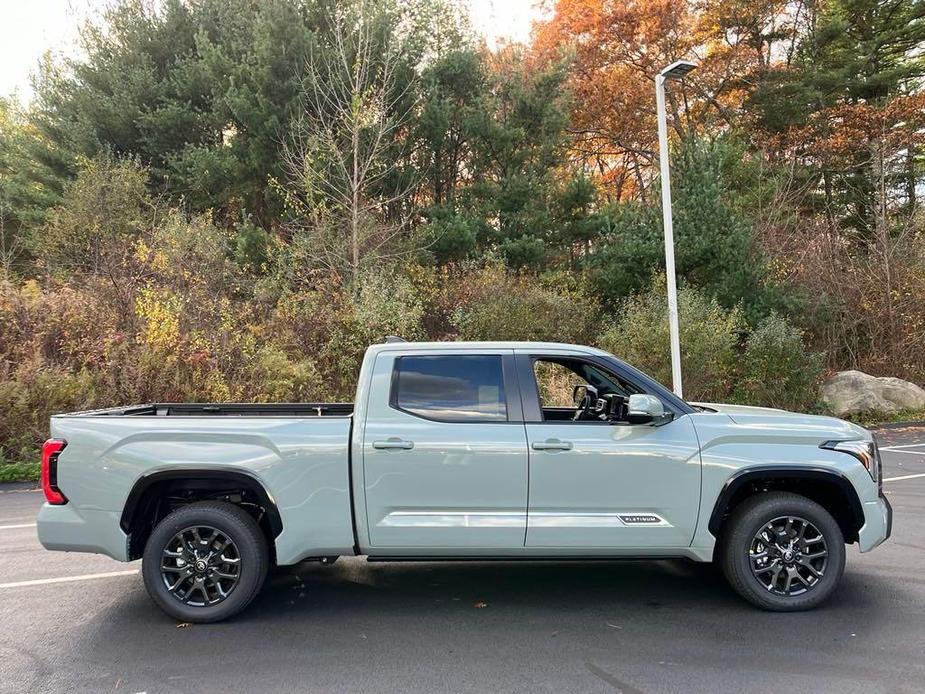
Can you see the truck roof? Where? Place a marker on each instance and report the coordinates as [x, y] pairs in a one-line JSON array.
[[396, 345]]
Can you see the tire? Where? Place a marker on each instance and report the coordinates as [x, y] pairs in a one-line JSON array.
[[757, 560], [221, 578]]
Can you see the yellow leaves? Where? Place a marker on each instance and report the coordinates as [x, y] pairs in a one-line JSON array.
[[288, 307], [156, 259], [228, 316], [217, 388], [160, 314], [31, 291], [142, 251], [781, 268], [200, 343]]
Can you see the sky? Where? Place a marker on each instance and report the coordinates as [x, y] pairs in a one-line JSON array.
[[28, 28]]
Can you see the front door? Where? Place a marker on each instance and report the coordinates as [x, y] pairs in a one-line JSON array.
[[445, 453], [603, 484]]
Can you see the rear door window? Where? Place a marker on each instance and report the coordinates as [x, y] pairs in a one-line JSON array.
[[460, 388]]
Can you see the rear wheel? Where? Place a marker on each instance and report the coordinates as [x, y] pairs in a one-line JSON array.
[[205, 562], [783, 552]]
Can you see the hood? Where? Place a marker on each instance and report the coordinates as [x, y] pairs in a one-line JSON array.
[[740, 409], [769, 417]]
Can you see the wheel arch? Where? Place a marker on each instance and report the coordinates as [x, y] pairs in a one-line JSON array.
[[829, 488], [144, 506]]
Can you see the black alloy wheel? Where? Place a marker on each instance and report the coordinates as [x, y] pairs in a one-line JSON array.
[[205, 561], [789, 555], [200, 566], [782, 551]]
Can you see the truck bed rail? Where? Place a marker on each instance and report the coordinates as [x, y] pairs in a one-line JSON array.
[[226, 409]]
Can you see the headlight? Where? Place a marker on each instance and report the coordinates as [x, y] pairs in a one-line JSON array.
[[865, 451]]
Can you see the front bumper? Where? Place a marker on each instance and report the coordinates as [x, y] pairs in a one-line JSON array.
[[878, 523]]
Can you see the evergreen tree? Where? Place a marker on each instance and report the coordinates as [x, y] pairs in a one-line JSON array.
[[850, 103], [714, 242]]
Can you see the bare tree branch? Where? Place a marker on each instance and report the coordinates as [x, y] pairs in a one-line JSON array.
[[358, 97]]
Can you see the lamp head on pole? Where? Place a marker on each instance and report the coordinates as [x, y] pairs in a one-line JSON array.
[[678, 70]]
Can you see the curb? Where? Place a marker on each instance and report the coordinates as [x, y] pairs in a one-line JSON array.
[[915, 424], [20, 487]]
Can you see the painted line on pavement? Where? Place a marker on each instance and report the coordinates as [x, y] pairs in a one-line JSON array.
[[908, 452], [905, 445], [67, 579], [903, 477], [19, 525]]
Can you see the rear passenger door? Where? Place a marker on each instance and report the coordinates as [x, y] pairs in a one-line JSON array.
[[445, 453]]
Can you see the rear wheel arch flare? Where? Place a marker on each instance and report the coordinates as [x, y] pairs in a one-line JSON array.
[[147, 490]]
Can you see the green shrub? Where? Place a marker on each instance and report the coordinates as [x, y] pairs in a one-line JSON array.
[[29, 395], [275, 377], [773, 369], [20, 472], [340, 325], [251, 246], [708, 334], [777, 371], [102, 212], [510, 308]]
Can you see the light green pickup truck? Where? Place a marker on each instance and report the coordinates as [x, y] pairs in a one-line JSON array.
[[494, 450]]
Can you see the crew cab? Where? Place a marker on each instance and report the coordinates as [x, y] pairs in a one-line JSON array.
[[494, 450]]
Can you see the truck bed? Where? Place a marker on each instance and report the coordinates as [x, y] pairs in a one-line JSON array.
[[222, 409], [298, 453]]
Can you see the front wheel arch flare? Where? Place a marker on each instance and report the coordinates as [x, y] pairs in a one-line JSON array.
[[818, 484]]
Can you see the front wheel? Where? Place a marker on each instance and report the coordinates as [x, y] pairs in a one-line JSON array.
[[205, 562], [783, 552]]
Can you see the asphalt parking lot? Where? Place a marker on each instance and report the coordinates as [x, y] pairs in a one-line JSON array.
[[603, 626]]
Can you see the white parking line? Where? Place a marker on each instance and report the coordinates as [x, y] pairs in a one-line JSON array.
[[67, 579], [903, 477], [905, 452], [905, 445], [20, 525]]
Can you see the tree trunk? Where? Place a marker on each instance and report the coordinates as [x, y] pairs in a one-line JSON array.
[[881, 228], [910, 180], [355, 209], [827, 187]]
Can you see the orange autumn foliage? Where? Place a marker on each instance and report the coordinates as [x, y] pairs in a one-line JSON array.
[[618, 47]]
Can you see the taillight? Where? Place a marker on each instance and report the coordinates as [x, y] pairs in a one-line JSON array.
[[50, 450]]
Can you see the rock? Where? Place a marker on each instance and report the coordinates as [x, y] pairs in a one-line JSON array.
[[851, 392]]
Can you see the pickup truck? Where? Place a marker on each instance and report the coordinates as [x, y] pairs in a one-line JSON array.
[[452, 451]]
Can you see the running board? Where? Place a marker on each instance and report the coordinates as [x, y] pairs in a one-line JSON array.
[[520, 557]]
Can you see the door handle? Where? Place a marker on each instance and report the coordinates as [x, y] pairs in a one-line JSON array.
[[552, 445], [393, 443]]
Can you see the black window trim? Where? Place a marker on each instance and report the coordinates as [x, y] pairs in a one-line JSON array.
[[512, 395], [532, 406]]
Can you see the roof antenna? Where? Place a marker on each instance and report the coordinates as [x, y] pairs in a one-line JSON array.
[[394, 338]]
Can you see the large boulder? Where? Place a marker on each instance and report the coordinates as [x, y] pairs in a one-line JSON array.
[[851, 392]]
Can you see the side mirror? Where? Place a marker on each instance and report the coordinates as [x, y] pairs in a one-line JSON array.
[[644, 409]]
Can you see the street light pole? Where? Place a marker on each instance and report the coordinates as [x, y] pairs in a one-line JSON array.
[[675, 71]]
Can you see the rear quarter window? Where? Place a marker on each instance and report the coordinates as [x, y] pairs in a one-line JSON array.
[[450, 388]]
